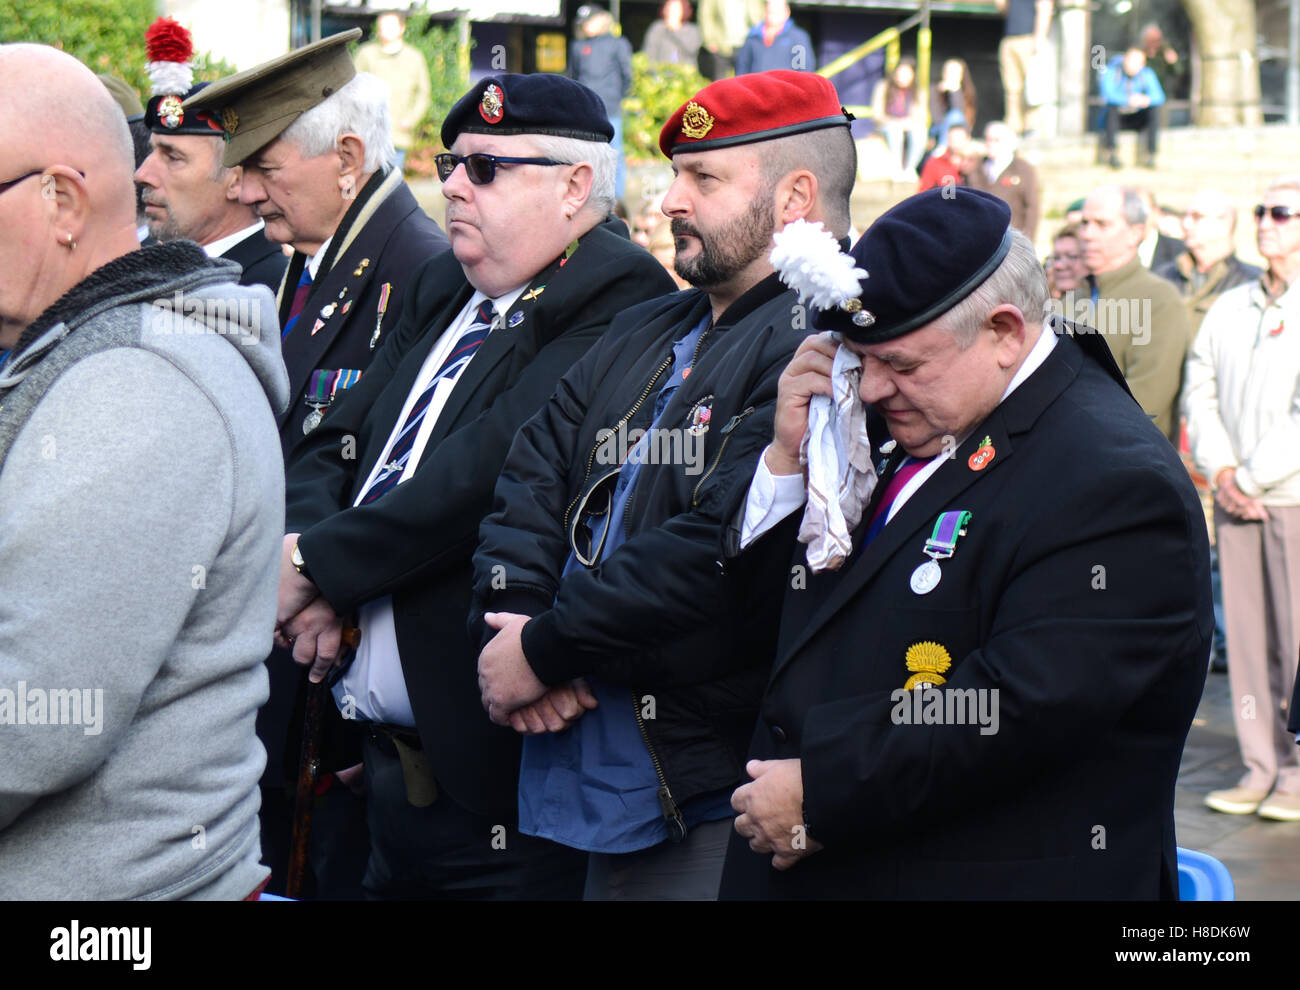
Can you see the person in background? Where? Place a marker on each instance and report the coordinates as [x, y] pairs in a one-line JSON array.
[[949, 165], [1208, 266], [602, 61], [1161, 243], [900, 114], [1163, 60], [1066, 271], [1244, 428], [1009, 177], [405, 70], [673, 39], [723, 26], [1024, 36], [129, 102], [1139, 315], [777, 43], [1132, 93], [952, 101]]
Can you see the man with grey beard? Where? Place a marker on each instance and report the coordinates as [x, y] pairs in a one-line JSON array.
[[597, 592]]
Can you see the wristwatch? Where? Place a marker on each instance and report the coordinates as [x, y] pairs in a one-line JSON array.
[[299, 564]]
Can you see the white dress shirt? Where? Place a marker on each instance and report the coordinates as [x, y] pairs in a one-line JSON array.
[[773, 497], [219, 247], [374, 681]]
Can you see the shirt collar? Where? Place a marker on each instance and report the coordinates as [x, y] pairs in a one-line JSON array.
[[219, 247]]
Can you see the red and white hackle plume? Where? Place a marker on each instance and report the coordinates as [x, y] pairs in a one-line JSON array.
[[170, 48]]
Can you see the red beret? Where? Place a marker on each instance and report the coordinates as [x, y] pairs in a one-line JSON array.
[[758, 106]]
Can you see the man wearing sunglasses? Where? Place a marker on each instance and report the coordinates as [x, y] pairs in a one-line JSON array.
[[1243, 375], [600, 559], [385, 497]]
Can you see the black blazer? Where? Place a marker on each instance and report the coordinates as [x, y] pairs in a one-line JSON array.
[[416, 543], [386, 229], [263, 262], [1080, 593]]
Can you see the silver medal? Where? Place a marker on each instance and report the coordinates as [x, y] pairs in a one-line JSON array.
[[926, 577], [312, 421]]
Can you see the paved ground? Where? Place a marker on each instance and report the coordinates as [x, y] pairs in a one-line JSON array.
[[1263, 856]]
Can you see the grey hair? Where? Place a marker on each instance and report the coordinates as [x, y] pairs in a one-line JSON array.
[[361, 108], [1135, 211], [1291, 182], [600, 155], [1019, 280]]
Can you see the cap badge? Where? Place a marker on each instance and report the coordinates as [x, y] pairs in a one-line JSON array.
[[229, 120], [170, 112], [928, 662], [492, 107], [864, 318], [696, 121]]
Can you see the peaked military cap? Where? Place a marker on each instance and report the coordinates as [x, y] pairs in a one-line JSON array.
[[255, 106]]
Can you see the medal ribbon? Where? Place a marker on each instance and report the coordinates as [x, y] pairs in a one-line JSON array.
[[321, 388], [948, 529]]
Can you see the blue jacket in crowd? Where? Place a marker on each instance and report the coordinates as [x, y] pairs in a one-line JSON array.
[[1116, 86], [792, 49]]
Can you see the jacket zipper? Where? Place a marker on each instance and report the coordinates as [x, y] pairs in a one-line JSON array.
[[627, 510], [726, 436], [672, 814], [591, 458]]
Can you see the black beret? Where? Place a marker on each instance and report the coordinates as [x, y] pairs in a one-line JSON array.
[[922, 257], [165, 115], [540, 103]]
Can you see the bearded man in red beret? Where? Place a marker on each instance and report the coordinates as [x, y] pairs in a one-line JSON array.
[[608, 641]]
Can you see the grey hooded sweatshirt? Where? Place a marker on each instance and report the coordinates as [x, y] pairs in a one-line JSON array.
[[141, 519]]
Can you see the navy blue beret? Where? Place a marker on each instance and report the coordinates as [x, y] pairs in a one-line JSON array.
[[922, 257], [539, 103]]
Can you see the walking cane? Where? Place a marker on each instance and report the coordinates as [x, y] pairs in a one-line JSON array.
[[308, 771]]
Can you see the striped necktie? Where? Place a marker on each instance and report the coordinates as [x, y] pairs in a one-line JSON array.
[[456, 361], [299, 300]]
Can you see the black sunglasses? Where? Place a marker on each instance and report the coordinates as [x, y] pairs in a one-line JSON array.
[[482, 169], [6, 186], [1280, 214]]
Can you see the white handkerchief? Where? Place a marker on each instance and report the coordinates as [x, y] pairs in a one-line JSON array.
[[841, 475]]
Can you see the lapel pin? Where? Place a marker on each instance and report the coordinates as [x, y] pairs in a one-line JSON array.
[[532, 294], [516, 318], [360, 268], [983, 455]]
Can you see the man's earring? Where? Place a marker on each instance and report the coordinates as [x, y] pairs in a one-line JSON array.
[[72, 245]]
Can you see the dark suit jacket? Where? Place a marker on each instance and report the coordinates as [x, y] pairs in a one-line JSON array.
[[1080, 593], [1167, 251], [416, 542], [263, 262], [1017, 186], [386, 229]]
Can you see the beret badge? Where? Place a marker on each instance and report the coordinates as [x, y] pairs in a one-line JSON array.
[[696, 121], [170, 112], [492, 107]]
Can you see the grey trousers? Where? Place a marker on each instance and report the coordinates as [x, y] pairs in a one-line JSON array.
[[1260, 568], [690, 870]]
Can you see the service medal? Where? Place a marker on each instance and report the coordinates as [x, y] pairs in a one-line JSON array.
[[926, 577], [313, 420]]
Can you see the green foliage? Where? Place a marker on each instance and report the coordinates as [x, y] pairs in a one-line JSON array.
[[106, 35], [658, 89], [448, 81]]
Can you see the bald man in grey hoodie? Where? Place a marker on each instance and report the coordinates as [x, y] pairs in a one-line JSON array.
[[141, 512]]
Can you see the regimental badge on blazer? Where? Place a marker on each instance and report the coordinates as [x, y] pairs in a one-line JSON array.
[[701, 415], [928, 662]]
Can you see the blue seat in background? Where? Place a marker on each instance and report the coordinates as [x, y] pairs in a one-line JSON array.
[[1201, 877]]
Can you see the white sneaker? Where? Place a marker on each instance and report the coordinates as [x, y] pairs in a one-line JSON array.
[[1236, 800]]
